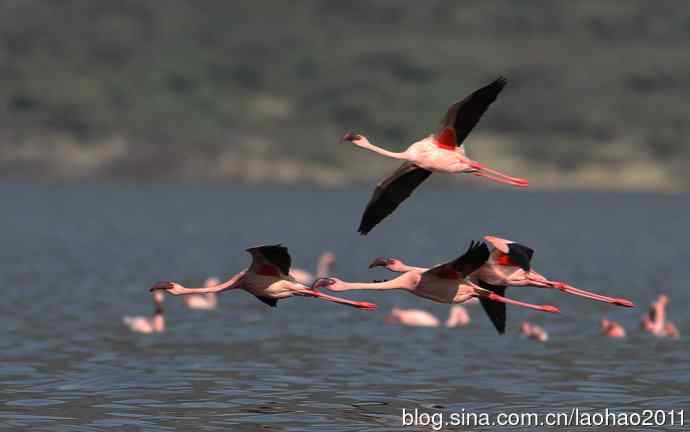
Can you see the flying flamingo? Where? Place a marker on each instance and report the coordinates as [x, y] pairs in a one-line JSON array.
[[206, 301], [155, 324], [612, 329], [323, 269], [268, 278], [443, 151], [655, 321], [508, 265], [445, 283]]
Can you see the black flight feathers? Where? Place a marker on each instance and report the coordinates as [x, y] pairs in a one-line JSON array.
[[475, 257], [520, 255], [275, 254], [390, 192]]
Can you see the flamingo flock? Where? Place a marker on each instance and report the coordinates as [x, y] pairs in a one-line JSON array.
[[482, 273]]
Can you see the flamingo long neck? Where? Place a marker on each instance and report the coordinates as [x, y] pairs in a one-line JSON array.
[[404, 268], [227, 285], [383, 152], [400, 282]]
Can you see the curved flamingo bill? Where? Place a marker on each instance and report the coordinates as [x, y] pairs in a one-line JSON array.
[[161, 286]]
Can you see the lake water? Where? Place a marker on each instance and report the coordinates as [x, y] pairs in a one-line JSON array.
[[75, 259]]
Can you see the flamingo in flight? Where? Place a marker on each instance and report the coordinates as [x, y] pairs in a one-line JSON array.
[[268, 278], [446, 283], [509, 264], [440, 152]]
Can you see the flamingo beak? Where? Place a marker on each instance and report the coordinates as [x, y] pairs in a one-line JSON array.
[[321, 282], [160, 286], [379, 262], [351, 136]]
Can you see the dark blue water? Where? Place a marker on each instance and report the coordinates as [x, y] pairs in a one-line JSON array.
[[75, 259]]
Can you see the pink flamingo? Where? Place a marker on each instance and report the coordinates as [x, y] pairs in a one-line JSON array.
[[445, 283], [142, 324], [509, 264], [612, 329], [206, 301], [412, 317], [323, 269], [457, 317], [440, 152], [534, 331], [267, 278], [655, 321]]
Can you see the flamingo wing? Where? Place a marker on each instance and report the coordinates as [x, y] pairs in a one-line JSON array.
[[495, 310], [520, 255], [275, 256], [464, 115], [390, 192], [475, 256], [512, 253]]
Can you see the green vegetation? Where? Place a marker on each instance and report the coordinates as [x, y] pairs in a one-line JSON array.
[[262, 90]]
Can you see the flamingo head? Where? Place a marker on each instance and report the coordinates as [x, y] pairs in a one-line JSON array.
[[169, 287], [331, 283], [389, 263], [356, 139]]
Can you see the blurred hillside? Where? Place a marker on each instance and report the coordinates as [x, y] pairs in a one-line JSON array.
[[261, 91]]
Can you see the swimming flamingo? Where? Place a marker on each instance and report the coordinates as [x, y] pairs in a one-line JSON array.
[[655, 321], [267, 278], [534, 331], [457, 317], [612, 329], [323, 269], [155, 324], [445, 283], [412, 317], [440, 152], [206, 301], [508, 265]]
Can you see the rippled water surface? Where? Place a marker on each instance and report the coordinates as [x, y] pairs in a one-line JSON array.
[[75, 259]]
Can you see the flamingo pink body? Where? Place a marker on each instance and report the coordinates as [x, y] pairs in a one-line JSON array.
[[143, 324], [206, 301], [534, 331], [655, 321], [458, 317], [412, 318], [612, 329], [267, 278]]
